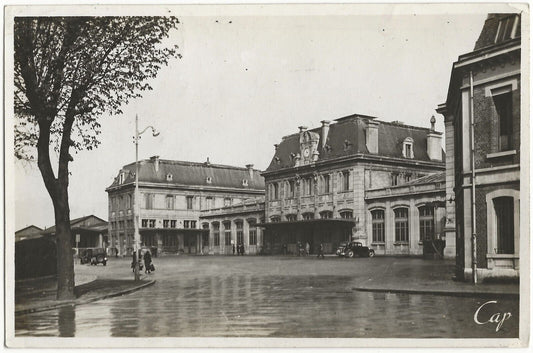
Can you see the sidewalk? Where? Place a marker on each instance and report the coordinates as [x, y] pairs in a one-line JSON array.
[[430, 277], [35, 295]]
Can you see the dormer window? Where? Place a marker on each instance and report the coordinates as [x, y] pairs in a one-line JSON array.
[[407, 150], [244, 182], [121, 178], [169, 177], [208, 180]]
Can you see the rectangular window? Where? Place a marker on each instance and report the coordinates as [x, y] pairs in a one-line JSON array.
[[173, 223], [227, 201], [291, 217], [165, 223], [345, 181], [291, 188], [401, 225], [193, 224], [309, 185], [148, 201], [169, 201], [426, 223], [189, 202], [276, 191], [326, 184], [144, 223], [504, 210], [394, 179], [151, 223], [504, 108], [185, 224]]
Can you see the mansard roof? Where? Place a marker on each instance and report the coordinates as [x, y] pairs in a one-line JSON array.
[[498, 28], [170, 172], [347, 137]]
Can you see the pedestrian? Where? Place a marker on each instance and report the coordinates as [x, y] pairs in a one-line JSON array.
[[284, 249], [299, 246], [242, 249], [233, 245], [307, 248], [147, 262], [321, 251]]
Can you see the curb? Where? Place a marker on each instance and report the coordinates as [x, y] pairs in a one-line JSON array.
[[81, 302], [437, 292]]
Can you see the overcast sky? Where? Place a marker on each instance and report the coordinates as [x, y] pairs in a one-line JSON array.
[[246, 81]]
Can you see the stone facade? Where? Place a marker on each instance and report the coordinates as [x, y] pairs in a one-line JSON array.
[[424, 200], [485, 89], [317, 181], [232, 225], [173, 195]]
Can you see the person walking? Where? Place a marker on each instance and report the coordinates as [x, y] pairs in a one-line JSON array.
[[233, 246], [147, 262], [321, 251], [307, 248]]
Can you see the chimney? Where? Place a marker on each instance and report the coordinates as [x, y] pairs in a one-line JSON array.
[[302, 128], [434, 140], [324, 132], [276, 147], [155, 159], [250, 168], [372, 142]]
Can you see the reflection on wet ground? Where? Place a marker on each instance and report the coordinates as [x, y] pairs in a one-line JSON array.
[[271, 306]]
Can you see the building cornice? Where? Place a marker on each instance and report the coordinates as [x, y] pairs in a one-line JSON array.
[[359, 157], [202, 188]]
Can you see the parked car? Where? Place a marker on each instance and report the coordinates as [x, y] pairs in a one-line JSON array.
[[356, 248], [340, 249], [94, 256]]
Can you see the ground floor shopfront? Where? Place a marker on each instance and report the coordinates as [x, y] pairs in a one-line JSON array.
[[283, 237]]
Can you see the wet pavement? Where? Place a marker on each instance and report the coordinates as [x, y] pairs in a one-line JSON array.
[[270, 297]]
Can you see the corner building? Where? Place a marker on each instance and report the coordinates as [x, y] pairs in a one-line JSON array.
[[173, 195], [483, 173], [318, 180]]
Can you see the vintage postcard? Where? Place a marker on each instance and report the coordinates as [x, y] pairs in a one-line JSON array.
[[275, 175]]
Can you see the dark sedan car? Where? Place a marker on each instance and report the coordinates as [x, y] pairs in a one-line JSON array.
[[356, 248]]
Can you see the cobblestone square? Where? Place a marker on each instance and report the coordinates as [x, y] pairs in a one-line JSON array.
[[254, 296]]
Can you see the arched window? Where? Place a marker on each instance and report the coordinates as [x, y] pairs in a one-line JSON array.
[[308, 216], [378, 226], [252, 231], [326, 214], [504, 210], [216, 233], [401, 225], [346, 214], [240, 234], [275, 219], [427, 231], [291, 217], [227, 233]]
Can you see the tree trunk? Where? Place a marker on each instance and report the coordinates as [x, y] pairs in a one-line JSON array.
[[65, 257], [58, 191]]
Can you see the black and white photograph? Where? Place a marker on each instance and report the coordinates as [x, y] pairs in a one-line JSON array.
[[267, 175]]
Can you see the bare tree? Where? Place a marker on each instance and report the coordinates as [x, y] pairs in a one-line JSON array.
[[69, 72]]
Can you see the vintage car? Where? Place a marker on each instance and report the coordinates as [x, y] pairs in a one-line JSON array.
[[94, 256], [356, 248], [340, 249]]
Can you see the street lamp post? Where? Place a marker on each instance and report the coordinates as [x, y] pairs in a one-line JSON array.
[[136, 204]]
